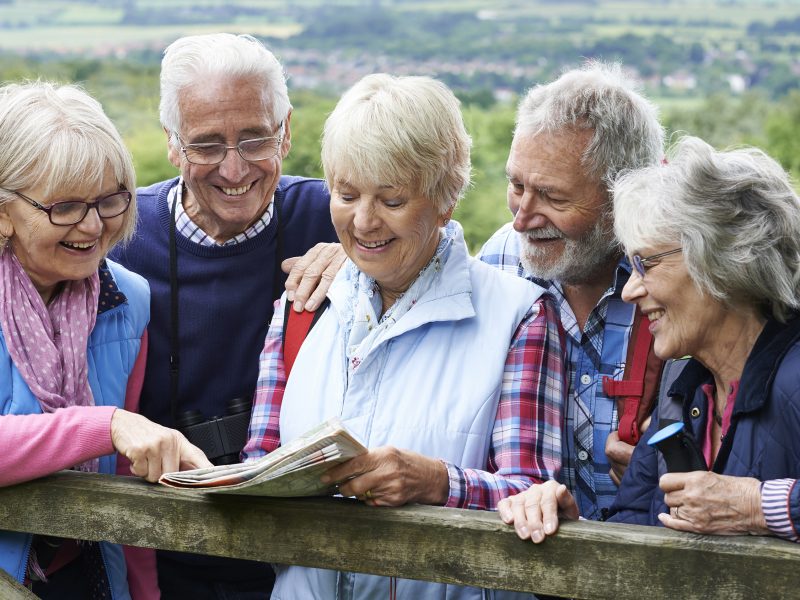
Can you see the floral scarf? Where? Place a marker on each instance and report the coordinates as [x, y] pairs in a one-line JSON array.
[[363, 328], [48, 344]]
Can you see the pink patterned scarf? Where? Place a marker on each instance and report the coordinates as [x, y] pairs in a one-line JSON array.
[[48, 343]]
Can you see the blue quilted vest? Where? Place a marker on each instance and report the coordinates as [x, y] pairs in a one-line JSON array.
[[112, 350]]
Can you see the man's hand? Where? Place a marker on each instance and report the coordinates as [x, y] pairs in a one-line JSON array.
[[390, 476], [619, 456], [534, 512], [311, 275], [151, 448], [705, 502], [619, 453]]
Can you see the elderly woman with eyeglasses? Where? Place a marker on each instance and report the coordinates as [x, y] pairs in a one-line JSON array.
[[72, 326], [714, 241]]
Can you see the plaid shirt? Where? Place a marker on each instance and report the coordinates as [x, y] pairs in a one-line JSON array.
[[596, 352], [526, 437], [192, 232]]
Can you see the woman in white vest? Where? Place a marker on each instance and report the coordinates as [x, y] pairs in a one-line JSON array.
[[72, 329], [449, 371]]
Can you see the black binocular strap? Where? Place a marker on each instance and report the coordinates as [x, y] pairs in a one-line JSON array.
[[174, 342]]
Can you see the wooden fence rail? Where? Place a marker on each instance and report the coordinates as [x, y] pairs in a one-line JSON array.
[[585, 560]]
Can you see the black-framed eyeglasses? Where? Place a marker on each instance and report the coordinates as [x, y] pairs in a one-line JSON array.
[[72, 212], [642, 264], [252, 150]]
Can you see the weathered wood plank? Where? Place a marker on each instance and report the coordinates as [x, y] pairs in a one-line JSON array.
[[10, 588], [585, 560]]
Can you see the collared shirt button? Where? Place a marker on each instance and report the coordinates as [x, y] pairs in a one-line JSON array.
[[586, 379], [583, 454]]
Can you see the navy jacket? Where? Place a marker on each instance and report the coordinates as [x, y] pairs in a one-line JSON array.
[[763, 440]]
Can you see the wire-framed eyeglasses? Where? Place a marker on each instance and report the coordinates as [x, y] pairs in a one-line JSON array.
[[252, 150], [642, 264], [72, 212]]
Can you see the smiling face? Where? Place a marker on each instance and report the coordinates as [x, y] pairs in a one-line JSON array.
[[561, 214], [226, 198], [388, 233], [683, 321], [51, 253]]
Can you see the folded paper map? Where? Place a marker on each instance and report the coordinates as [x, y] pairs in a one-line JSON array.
[[291, 470]]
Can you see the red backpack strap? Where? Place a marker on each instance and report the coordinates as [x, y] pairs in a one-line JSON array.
[[295, 329], [636, 392]]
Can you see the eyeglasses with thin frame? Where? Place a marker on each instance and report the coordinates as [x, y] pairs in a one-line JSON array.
[[252, 150], [72, 212], [642, 264]]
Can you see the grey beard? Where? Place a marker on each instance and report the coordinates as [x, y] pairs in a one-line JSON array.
[[581, 259]]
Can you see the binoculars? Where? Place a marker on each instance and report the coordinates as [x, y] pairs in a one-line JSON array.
[[220, 438]]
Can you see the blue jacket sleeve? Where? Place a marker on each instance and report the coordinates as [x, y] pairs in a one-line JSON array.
[[794, 507], [638, 490]]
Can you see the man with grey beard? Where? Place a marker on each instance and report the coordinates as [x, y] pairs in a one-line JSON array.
[[572, 137]]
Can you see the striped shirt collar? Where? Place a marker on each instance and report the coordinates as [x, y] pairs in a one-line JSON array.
[[194, 233]]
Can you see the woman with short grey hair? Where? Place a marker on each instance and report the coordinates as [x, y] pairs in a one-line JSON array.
[[450, 371], [714, 240]]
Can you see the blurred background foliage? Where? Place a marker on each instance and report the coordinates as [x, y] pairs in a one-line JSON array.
[[735, 63]]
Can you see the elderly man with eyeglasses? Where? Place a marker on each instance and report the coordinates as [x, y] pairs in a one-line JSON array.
[[210, 242]]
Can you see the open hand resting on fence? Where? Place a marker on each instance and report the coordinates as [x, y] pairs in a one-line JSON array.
[[534, 513]]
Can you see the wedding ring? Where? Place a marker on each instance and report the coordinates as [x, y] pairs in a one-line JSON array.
[[368, 494], [677, 514]]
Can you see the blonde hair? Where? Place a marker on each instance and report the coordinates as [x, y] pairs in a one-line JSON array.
[[401, 131], [58, 137]]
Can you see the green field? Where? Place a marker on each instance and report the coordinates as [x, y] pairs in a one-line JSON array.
[[113, 48]]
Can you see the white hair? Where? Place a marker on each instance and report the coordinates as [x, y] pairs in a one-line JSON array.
[[734, 213], [194, 59], [598, 96]]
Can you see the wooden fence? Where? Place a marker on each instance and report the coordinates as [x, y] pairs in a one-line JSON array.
[[585, 560]]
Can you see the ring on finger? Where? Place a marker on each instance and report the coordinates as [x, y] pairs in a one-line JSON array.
[[677, 512], [368, 494]]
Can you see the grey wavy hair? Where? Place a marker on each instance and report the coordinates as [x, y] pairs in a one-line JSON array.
[[194, 59], [58, 137], [734, 213], [598, 96], [406, 132]]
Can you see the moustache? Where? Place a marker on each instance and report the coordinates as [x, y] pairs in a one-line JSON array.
[[549, 232]]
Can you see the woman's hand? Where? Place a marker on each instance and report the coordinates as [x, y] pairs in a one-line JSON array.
[[534, 512], [389, 476], [704, 502], [151, 448]]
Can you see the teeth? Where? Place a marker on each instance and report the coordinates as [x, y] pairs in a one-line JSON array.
[[79, 245], [237, 191], [373, 244], [655, 315]]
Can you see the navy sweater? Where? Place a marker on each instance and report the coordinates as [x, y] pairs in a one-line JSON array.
[[225, 296]]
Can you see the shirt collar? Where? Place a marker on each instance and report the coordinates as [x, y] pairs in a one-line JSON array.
[[110, 295], [194, 233]]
